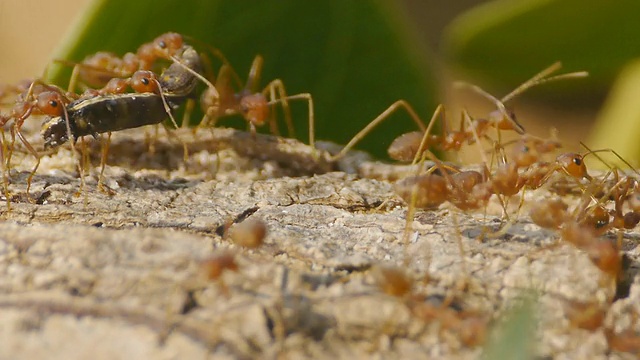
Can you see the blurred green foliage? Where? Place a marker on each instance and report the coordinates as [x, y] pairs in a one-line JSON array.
[[501, 42], [354, 57], [514, 337], [358, 57]]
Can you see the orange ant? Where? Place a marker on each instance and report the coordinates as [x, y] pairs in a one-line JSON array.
[[215, 266], [553, 214], [221, 100], [41, 98], [470, 327], [249, 233]]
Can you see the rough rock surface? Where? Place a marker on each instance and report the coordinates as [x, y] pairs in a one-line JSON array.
[[118, 274]]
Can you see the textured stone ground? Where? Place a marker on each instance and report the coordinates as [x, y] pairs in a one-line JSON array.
[[119, 276]]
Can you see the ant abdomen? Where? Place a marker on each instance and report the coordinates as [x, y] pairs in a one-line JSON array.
[[467, 180], [405, 147], [549, 214], [430, 190]]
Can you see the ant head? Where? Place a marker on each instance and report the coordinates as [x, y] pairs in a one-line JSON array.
[[50, 103], [167, 44], [255, 108], [574, 165], [144, 81]]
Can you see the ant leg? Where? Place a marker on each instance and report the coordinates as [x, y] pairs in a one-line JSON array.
[[10, 149], [173, 121], [423, 143], [312, 123], [103, 161], [5, 170], [188, 110], [251, 86], [594, 153], [532, 81], [217, 54], [82, 164], [384, 115], [34, 153], [185, 149], [499, 104], [75, 73], [278, 85]]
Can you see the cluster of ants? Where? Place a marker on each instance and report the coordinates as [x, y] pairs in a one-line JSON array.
[[129, 92], [145, 87]]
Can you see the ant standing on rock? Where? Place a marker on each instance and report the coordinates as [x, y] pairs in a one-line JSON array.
[[221, 100]]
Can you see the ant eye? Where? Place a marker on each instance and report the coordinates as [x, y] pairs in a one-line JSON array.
[[145, 81], [162, 44], [577, 161], [53, 103]]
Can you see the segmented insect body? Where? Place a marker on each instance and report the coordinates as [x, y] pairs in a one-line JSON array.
[[103, 114], [180, 79]]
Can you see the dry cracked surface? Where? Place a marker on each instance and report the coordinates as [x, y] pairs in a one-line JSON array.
[[118, 274]]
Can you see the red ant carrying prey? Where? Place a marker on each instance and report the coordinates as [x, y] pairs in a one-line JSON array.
[[151, 104], [109, 109]]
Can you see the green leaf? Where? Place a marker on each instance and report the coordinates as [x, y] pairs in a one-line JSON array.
[[505, 41], [618, 124], [514, 338], [354, 57]]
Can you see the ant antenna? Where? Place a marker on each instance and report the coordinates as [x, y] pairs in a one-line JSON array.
[[594, 153], [498, 103]]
